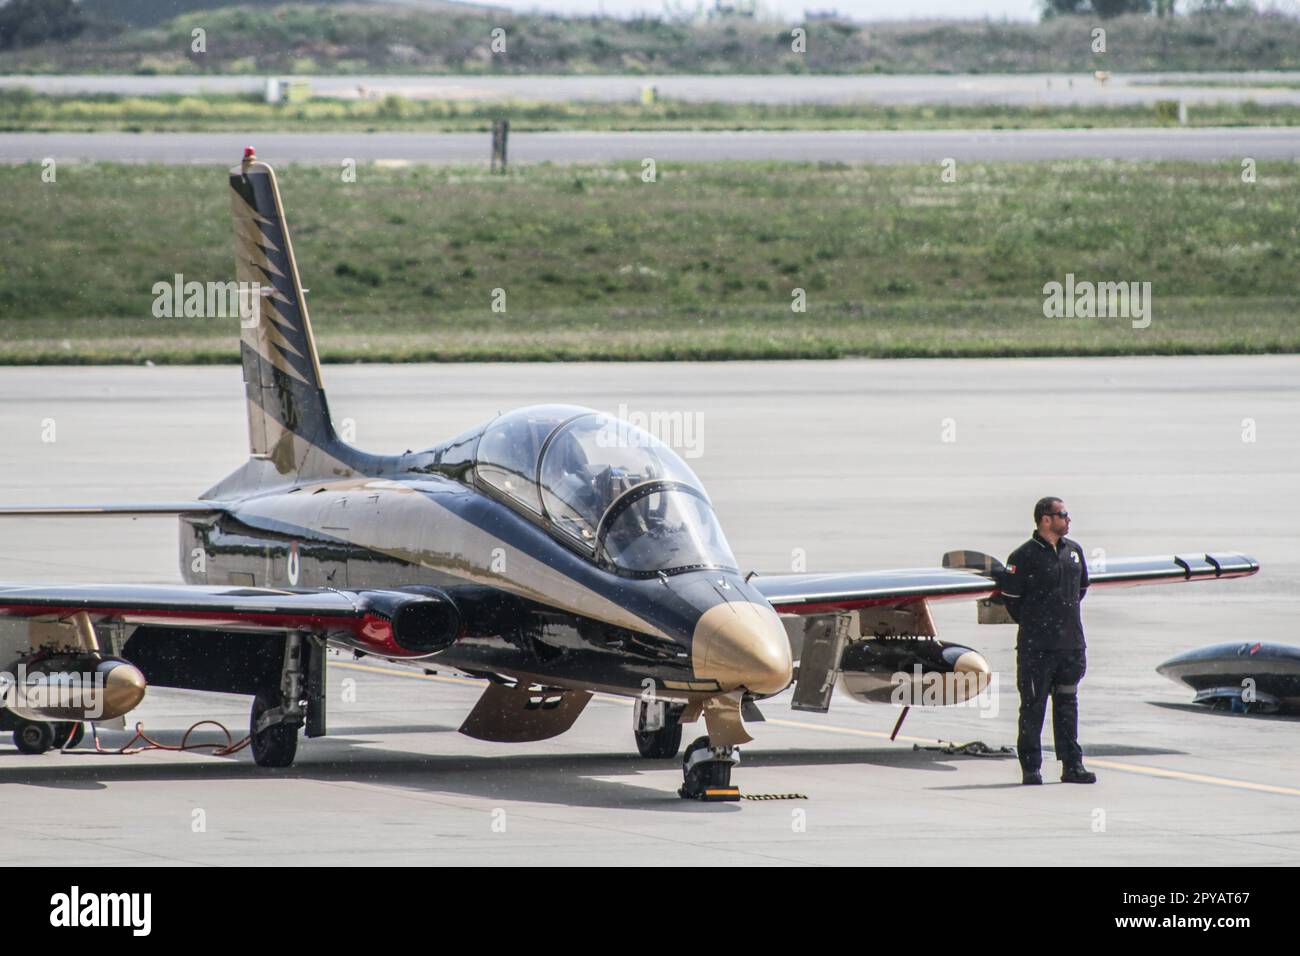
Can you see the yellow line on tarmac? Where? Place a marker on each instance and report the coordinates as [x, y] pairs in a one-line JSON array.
[[1194, 777], [1104, 764], [852, 731], [880, 735], [393, 671]]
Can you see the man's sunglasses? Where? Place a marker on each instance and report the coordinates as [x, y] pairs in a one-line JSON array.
[[1058, 514]]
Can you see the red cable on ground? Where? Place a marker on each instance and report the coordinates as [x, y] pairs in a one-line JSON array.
[[67, 741], [230, 747]]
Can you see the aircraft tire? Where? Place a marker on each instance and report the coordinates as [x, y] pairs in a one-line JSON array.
[[34, 737], [704, 776], [659, 744], [275, 746]]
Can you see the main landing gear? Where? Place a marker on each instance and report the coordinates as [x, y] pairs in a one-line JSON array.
[[36, 736], [278, 713], [658, 728], [707, 770], [273, 726]]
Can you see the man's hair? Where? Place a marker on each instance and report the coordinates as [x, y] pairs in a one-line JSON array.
[[1043, 506]]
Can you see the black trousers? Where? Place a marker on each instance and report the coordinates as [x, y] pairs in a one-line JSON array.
[[1040, 674]]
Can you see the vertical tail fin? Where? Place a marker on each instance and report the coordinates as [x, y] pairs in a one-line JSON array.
[[288, 418]]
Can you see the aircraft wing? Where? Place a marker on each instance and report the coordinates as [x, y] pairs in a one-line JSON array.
[[971, 575], [827, 593], [394, 623], [131, 509], [896, 603], [1170, 569]]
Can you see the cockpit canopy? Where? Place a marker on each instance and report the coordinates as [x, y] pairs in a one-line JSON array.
[[605, 487]]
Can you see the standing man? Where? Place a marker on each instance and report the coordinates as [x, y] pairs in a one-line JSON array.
[[1045, 581]]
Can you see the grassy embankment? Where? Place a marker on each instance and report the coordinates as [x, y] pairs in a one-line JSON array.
[[597, 264], [21, 110], [370, 38]]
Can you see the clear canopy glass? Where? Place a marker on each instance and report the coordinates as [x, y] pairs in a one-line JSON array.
[[595, 459], [607, 486], [664, 526], [510, 448]]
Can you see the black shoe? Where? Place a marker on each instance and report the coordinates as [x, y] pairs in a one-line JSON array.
[[1077, 775], [1031, 778]]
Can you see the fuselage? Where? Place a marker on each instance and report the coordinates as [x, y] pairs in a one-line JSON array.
[[533, 606]]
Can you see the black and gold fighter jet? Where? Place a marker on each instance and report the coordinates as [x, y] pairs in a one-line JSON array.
[[555, 551]]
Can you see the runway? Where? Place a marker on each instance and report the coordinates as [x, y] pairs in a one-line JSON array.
[[1201, 144], [1007, 89], [846, 461]]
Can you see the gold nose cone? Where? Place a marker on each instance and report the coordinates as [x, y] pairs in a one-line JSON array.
[[972, 662], [742, 644], [975, 675], [123, 690]]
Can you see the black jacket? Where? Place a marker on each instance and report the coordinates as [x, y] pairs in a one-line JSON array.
[[1043, 588]]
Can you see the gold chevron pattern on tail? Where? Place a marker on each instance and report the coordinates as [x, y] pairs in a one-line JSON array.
[[288, 420]]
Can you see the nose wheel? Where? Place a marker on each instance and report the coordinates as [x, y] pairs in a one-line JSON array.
[[657, 727], [707, 772]]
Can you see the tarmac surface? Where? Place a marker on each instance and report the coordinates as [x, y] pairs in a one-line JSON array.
[[1008, 89], [919, 146], [844, 460]]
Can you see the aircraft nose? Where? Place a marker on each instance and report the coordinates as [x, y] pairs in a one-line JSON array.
[[742, 644]]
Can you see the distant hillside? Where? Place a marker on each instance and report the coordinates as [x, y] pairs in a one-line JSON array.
[[357, 38], [148, 13], [152, 12]]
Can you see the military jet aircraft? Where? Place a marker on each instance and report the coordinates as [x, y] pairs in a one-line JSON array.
[[555, 551]]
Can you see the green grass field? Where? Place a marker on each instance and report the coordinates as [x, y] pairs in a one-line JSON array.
[[21, 110], [597, 264]]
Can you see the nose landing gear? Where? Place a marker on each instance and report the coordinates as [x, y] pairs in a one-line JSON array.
[[707, 772], [658, 728]]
